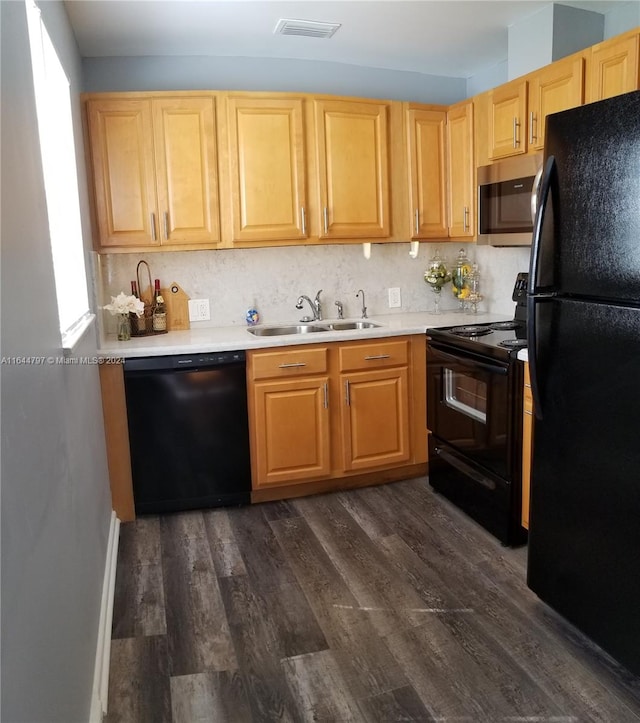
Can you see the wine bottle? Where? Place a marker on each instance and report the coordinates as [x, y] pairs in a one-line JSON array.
[[159, 309]]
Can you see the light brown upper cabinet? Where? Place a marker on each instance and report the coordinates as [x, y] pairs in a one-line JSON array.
[[552, 89], [613, 67], [427, 161], [267, 168], [507, 119], [353, 168], [461, 167], [155, 171]]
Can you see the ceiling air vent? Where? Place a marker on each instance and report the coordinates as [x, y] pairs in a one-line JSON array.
[[306, 28]]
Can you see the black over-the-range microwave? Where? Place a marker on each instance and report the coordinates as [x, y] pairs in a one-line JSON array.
[[507, 200]]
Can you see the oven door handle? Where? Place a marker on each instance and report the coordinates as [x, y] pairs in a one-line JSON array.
[[465, 468], [467, 361]]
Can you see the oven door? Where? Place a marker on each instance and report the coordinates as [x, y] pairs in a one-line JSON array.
[[468, 405]]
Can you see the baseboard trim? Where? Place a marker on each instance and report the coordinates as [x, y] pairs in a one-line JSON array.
[[99, 697]]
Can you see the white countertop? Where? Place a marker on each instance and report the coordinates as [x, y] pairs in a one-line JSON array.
[[233, 338]]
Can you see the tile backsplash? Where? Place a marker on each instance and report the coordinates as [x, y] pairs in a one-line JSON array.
[[271, 279]]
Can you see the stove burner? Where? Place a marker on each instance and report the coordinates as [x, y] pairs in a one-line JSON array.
[[514, 343], [471, 330], [504, 325]]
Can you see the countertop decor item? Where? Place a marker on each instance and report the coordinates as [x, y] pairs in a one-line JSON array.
[[122, 306], [459, 274], [252, 317], [437, 275], [473, 284]]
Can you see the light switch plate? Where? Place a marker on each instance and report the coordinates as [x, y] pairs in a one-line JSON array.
[[395, 302], [199, 310]]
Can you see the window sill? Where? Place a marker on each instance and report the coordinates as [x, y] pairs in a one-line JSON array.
[[72, 337]]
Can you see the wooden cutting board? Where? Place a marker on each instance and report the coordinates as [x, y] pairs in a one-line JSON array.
[[177, 303]]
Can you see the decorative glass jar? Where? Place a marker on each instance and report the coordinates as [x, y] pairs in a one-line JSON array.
[[437, 275], [459, 275], [124, 327], [473, 284]]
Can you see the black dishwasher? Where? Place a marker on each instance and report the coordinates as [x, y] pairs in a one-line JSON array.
[[188, 431]]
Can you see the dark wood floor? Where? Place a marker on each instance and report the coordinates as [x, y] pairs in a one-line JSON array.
[[381, 604]]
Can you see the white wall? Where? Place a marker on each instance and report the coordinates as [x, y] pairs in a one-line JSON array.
[[56, 503], [621, 18], [530, 43], [276, 74]]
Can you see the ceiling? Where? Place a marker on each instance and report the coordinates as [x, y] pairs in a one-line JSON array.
[[455, 38]]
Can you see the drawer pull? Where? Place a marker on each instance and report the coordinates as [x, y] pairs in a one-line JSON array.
[[373, 357], [294, 364]]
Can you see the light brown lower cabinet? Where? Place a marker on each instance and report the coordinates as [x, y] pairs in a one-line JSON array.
[[326, 416], [527, 445]]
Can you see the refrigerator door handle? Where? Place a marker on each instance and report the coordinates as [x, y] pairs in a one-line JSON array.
[[542, 202], [534, 295], [535, 189]]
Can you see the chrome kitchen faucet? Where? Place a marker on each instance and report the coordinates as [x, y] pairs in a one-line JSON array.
[[364, 308], [316, 307]]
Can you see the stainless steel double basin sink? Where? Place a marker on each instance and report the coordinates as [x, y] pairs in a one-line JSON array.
[[311, 328]]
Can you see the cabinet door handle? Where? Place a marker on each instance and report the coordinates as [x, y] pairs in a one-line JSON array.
[[465, 218], [166, 225], [153, 227], [417, 215], [325, 215], [303, 220], [326, 395], [532, 120], [516, 125], [347, 393], [527, 411], [377, 356], [292, 365]]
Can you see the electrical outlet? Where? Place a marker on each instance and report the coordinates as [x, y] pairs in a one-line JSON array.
[[394, 298], [199, 310]]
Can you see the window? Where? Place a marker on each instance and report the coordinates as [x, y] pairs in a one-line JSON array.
[[57, 147]]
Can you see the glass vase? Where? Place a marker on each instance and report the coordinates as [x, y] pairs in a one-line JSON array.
[[124, 327]]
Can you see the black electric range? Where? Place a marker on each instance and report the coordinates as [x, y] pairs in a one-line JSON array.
[[498, 340], [474, 418]]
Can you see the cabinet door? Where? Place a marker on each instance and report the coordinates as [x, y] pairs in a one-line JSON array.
[[461, 171], [187, 171], [352, 148], [527, 447], [555, 88], [291, 422], [121, 142], [375, 418], [507, 120], [267, 168], [427, 172], [614, 68]]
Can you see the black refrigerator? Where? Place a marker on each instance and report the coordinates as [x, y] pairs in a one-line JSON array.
[[584, 355]]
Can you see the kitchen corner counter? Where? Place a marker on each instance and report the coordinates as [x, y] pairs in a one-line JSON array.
[[233, 338]]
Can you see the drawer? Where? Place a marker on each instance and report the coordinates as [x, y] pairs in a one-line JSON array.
[[373, 355], [301, 361]]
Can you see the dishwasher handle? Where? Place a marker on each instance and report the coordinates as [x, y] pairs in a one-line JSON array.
[[201, 360]]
